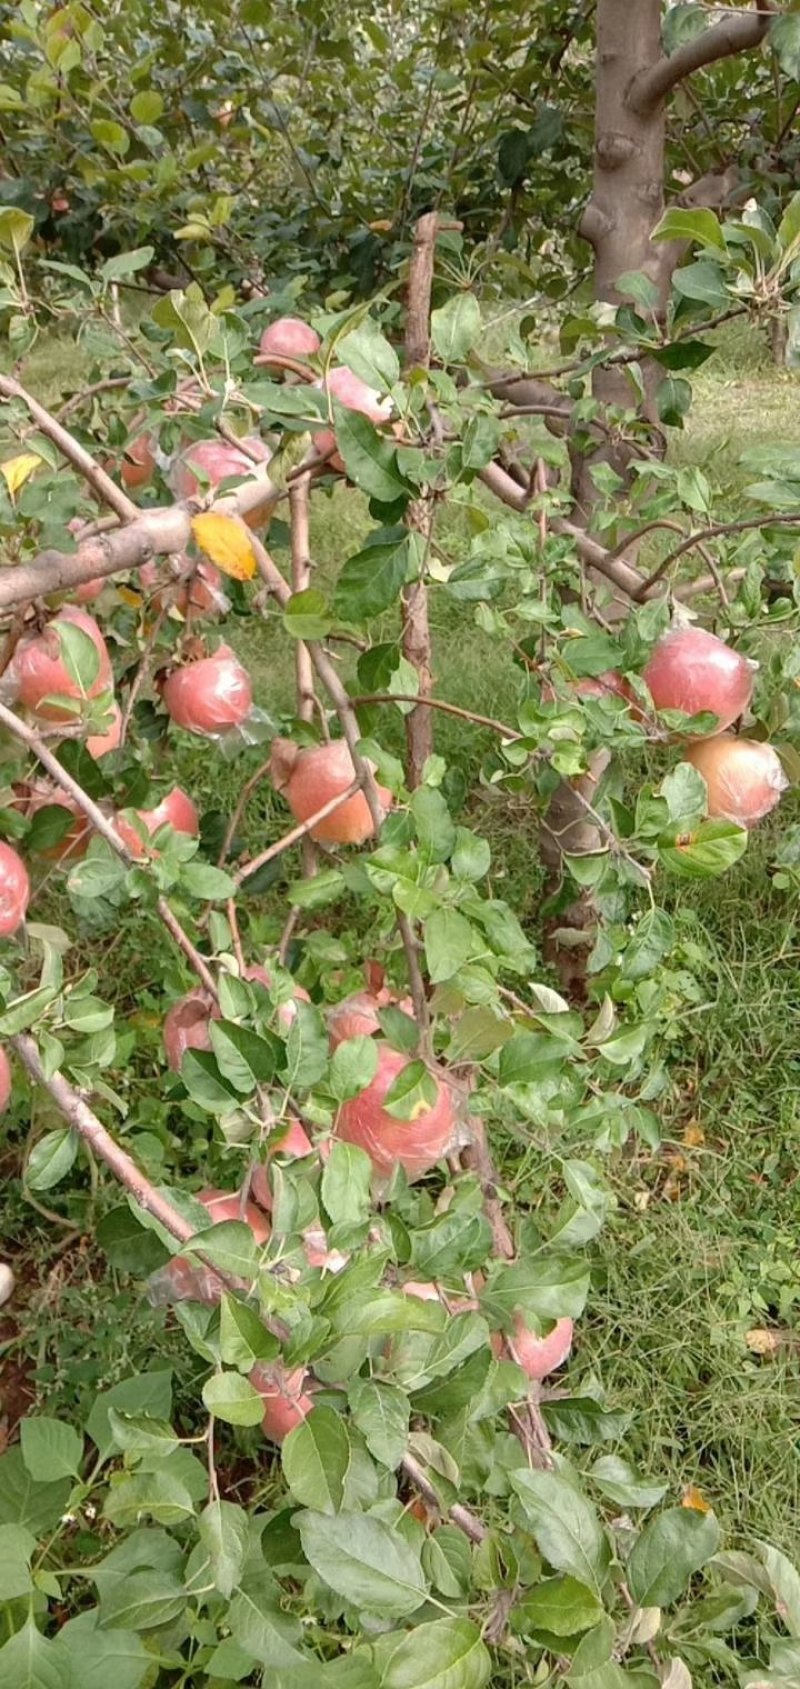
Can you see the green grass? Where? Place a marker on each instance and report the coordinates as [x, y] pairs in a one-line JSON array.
[[703, 1246]]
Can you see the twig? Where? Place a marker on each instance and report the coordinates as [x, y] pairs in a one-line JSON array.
[[185, 944], [489, 721], [242, 801], [301, 831], [710, 533], [76, 454], [141, 674], [416, 634], [299, 516], [274, 581]]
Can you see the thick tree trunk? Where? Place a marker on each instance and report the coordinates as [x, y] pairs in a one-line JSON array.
[[626, 203]]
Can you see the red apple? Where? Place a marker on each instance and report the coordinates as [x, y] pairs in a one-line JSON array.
[[415, 1144], [14, 890], [187, 1026], [286, 1401], [183, 1280], [138, 464], [745, 779], [209, 696], [309, 778], [288, 337], [41, 671], [358, 1016], [99, 744], [537, 1355], [295, 1144], [218, 461], [175, 808], [693, 671]]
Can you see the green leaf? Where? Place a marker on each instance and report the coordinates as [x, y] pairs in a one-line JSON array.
[[111, 135], [142, 1601], [435, 828], [708, 850], [456, 328], [686, 793], [784, 39], [306, 1047], [316, 1458], [703, 281], [548, 1287], [23, 1502], [372, 579], [701, 226], [243, 1337], [201, 1076], [566, 1527], [261, 1629], [164, 1497], [224, 1531], [354, 1064], [29, 1661], [51, 1159], [230, 1397], [651, 942], [369, 458], [229, 1245], [561, 1606], [446, 1654], [245, 1058], [17, 1545], [307, 616], [784, 1581], [381, 1413], [93, 1659], [147, 106], [347, 1179], [138, 1433], [671, 1547], [147, 1392], [449, 942], [202, 879], [472, 855], [617, 1480], [411, 1093], [25, 1010], [16, 228], [370, 355], [365, 1561], [50, 1449]]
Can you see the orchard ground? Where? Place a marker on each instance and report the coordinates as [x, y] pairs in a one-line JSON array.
[[703, 1247]]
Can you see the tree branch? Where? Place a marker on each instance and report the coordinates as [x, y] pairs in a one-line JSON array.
[[301, 831], [734, 34]]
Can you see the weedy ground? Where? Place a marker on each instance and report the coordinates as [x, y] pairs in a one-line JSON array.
[[702, 1249]]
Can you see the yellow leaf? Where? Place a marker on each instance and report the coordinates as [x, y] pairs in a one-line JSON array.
[[17, 469], [227, 543], [381, 225], [694, 1498], [694, 1135], [129, 597]]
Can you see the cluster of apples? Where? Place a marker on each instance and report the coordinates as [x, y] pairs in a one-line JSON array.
[[696, 672], [416, 1145], [290, 341]]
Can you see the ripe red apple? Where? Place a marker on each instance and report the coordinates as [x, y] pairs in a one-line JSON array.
[[227, 1205], [138, 464], [692, 670], [537, 1355], [286, 1401], [415, 1144], [175, 808], [99, 744], [40, 665], [745, 779], [357, 1016], [295, 1144], [5, 1080], [187, 1026], [14, 890], [210, 695], [349, 390], [219, 461], [309, 778], [288, 337]]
